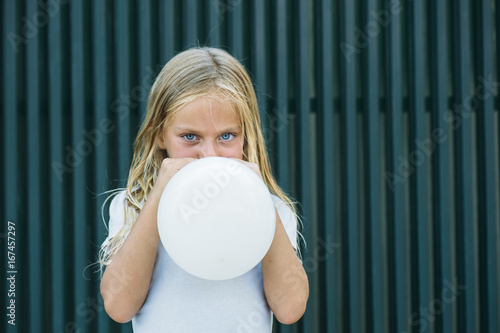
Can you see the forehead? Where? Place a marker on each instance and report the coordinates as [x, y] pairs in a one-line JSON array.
[[206, 111]]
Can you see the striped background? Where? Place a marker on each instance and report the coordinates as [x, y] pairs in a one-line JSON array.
[[381, 119]]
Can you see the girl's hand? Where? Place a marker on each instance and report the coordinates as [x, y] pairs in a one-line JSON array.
[[252, 166], [168, 169]]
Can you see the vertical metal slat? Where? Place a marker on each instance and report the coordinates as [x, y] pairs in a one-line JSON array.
[[83, 145], [124, 107], [355, 234], [260, 69], [488, 176], [310, 320], [11, 82], [36, 107], [148, 52], [419, 155], [378, 227], [237, 39], [191, 26], [170, 29], [467, 232], [280, 129], [400, 229], [331, 319], [215, 23], [442, 163], [59, 212], [102, 56]]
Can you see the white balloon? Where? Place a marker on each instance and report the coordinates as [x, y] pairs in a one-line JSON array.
[[216, 218]]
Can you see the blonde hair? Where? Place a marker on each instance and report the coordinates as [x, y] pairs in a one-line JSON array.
[[190, 74]]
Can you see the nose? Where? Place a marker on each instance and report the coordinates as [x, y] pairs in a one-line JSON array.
[[208, 149]]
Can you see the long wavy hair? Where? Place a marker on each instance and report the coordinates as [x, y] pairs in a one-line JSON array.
[[190, 74]]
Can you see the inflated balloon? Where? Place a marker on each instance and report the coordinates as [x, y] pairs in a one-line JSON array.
[[216, 218]]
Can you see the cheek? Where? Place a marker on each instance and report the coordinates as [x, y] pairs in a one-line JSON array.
[[235, 151], [178, 150]]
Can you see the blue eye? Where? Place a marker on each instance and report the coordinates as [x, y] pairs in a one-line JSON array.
[[226, 136], [189, 137]]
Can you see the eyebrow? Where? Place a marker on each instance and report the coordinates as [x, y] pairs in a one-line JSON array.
[[192, 130]]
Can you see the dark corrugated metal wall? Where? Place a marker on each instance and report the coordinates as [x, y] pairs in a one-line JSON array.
[[381, 119]]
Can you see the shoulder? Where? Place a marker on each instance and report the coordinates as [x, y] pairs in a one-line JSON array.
[[283, 209], [117, 212], [118, 201], [116, 215], [288, 219]]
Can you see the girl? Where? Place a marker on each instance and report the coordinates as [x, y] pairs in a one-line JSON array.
[[202, 104]]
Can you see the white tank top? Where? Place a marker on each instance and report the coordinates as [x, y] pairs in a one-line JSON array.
[[180, 302]]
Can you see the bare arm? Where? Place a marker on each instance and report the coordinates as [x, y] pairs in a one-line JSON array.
[[285, 280], [125, 282]]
